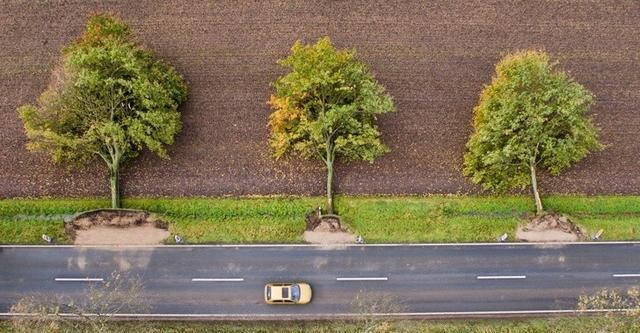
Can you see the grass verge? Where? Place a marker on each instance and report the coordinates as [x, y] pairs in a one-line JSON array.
[[555, 325], [378, 219]]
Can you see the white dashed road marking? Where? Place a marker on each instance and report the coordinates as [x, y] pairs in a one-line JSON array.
[[79, 279], [362, 278], [217, 279], [502, 277], [626, 275]]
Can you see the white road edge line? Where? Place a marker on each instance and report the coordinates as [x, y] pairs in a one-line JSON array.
[[79, 279], [314, 315], [217, 280], [501, 277], [523, 244], [625, 275], [362, 278]]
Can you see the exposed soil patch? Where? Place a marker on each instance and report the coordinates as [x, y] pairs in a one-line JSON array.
[[550, 228], [142, 235], [316, 221], [326, 229], [323, 237], [116, 227]]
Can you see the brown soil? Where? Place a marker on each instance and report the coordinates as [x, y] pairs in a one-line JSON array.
[[324, 223], [116, 227], [550, 228], [329, 224], [142, 235], [327, 237], [432, 56], [326, 229]]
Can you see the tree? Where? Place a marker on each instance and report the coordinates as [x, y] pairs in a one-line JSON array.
[[108, 98], [532, 116], [326, 106]]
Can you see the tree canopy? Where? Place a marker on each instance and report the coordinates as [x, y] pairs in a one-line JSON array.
[[108, 98], [326, 107], [532, 116]]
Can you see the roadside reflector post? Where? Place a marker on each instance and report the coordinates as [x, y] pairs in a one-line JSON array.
[[597, 235], [503, 238]]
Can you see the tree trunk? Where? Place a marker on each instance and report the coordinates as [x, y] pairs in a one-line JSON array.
[[534, 189], [329, 161], [115, 185]]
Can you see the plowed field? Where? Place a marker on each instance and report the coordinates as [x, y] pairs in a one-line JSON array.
[[432, 56]]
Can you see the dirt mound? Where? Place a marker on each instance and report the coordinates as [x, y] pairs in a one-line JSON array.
[[316, 221], [550, 228], [116, 227], [325, 229]]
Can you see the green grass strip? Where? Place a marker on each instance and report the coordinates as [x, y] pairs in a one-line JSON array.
[[393, 219]]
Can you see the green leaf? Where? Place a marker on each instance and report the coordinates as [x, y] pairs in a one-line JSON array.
[[327, 100], [109, 99], [531, 113]]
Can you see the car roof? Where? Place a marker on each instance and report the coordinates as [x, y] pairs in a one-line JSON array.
[[280, 291]]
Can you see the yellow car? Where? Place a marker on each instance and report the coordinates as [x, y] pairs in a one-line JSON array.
[[287, 293]]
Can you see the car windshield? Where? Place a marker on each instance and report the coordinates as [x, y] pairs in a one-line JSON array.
[[295, 292], [268, 292]]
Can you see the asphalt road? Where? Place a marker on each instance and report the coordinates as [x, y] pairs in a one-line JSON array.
[[422, 279]]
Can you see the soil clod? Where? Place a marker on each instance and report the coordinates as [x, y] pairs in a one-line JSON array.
[[550, 228], [316, 221], [326, 229], [116, 227]]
